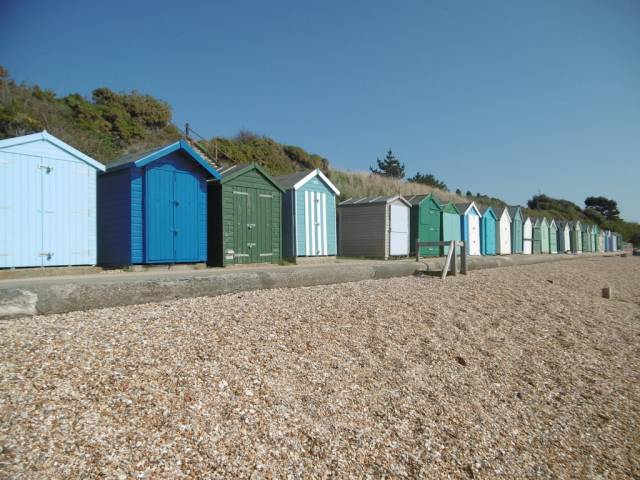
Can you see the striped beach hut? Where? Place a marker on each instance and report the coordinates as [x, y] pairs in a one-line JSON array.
[[450, 226], [47, 203], [503, 231], [553, 236], [470, 226], [515, 213], [152, 207], [425, 224], [308, 215], [374, 227], [527, 236], [537, 236], [564, 237], [544, 235]]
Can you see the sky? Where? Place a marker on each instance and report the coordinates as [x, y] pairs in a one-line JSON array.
[[506, 98]]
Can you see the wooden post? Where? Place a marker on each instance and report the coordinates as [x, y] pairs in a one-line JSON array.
[[417, 250], [454, 268], [445, 270], [463, 258]]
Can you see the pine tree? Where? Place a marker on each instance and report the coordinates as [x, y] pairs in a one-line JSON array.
[[389, 166]]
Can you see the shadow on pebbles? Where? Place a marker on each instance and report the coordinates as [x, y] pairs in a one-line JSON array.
[[521, 372]]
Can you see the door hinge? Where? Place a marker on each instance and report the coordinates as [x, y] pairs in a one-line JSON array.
[[47, 168], [46, 254]]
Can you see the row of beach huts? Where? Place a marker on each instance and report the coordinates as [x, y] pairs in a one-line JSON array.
[[60, 207]]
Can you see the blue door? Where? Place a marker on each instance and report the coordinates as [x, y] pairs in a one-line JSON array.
[[186, 217], [160, 208]]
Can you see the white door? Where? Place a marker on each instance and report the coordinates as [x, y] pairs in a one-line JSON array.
[[505, 238], [399, 230], [315, 205], [567, 240], [474, 235], [527, 234]]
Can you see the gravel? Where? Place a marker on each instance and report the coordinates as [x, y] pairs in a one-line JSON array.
[[521, 372]]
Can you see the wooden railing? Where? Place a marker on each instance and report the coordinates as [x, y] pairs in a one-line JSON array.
[[451, 256]]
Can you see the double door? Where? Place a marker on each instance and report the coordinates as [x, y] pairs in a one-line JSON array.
[[172, 233], [47, 217], [315, 225], [253, 221]]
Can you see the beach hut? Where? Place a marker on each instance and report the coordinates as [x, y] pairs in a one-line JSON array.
[[564, 237], [425, 224], [245, 217], [470, 226], [544, 235], [586, 238], [308, 215], [527, 236], [607, 240], [537, 236], [515, 213], [503, 231], [614, 242], [601, 245], [594, 238], [450, 225], [374, 227], [488, 226], [576, 236], [47, 203], [152, 207], [553, 236]]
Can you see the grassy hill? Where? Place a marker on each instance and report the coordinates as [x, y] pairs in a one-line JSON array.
[[109, 124]]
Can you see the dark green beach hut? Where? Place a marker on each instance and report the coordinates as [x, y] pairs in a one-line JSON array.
[[424, 224], [244, 217]]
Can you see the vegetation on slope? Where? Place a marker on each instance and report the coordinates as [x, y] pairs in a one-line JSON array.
[[110, 124]]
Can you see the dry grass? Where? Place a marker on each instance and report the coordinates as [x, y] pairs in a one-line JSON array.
[[522, 372], [361, 184]]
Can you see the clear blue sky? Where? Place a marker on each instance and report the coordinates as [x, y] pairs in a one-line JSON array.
[[508, 98]]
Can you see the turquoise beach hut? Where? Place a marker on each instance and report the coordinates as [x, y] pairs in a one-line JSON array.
[[488, 231], [516, 228]]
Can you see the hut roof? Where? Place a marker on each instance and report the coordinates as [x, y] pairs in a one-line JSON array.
[[356, 201]]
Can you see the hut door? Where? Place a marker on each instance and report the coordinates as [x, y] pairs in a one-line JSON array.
[[399, 230], [186, 218], [243, 226], [474, 234], [264, 233], [430, 228], [315, 223], [160, 209], [58, 204]]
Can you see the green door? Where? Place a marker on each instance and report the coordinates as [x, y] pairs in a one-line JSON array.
[[264, 232], [242, 227], [429, 230]]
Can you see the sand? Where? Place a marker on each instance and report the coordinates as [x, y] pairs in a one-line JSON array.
[[521, 372]]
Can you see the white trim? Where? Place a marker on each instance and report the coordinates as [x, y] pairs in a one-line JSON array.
[[313, 222], [307, 217], [324, 223], [316, 173], [44, 135], [472, 204]]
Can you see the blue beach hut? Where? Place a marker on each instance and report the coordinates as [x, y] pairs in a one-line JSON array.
[[470, 226], [308, 215], [47, 203], [488, 231], [153, 207]]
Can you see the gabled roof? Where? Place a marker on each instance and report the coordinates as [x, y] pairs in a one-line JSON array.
[[514, 210], [464, 208], [47, 137], [553, 222], [450, 208], [357, 201], [537, 222], [229, 173], [484, 210], [418, 199], [501, 211], [144, 158], [544, 220], [298, 179]]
